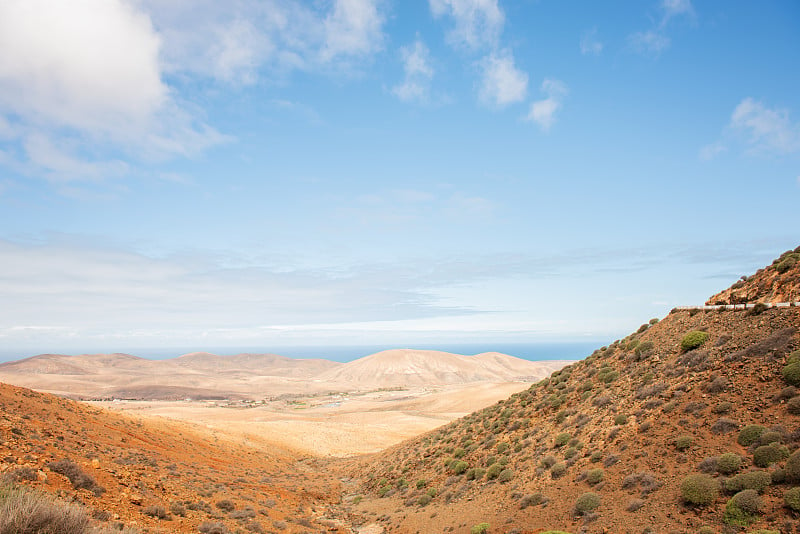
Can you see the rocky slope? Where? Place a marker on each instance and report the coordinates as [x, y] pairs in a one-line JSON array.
[[779, 282], [156, 476], [658, 432]]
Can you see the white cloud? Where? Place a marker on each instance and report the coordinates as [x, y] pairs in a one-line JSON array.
[[590, 44], [653, 42], [87, 75], [353, 28], [418, 73], [477, 22], [90, 77], [649, 42], [88, 65], [711, 151], [674, 8], [502, 82], [765, 129], [543, 112]]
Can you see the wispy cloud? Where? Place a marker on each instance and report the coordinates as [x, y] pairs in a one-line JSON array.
[[757, 129], [502, 82], [590, 44], [353, 28], [765, 129], [650, 42], [543, 112], [477, 23], [711, 151], [418, 73], [654, 41]]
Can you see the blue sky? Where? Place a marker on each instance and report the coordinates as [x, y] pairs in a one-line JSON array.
[[344, 172]]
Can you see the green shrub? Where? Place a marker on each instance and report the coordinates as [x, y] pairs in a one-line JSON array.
[[793, 405], [594, 476], [505, 475], [533, 499], [729, 463], [596, 457], [587, 502], [620, 419], [558, 470], [424, 500], [699, 490], [562, 439], [494, 471], [570, 452], [770, 436], [480, 528], [459, 467], [791, 374], [421, 483], [793, 357], [26, 511], [766, 455], [792, 467], [749, 435], [693, 339], [459, 452], [683, 442], [754, 480], [475, 473], [743, 508], [792, 499], [607, 375], [644, 348]]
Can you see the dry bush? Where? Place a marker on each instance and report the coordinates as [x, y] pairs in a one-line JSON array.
[[25, 511]]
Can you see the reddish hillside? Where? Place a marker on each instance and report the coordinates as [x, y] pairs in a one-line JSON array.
[[615, 443], [780, 282], [160, 475]]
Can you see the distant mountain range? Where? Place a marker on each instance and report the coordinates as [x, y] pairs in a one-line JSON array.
[[205, 375]]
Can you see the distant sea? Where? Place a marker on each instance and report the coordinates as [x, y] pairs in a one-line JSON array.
[[527, 351]]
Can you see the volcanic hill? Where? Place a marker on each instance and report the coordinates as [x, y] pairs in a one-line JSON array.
[[155, 475], [689, 424]]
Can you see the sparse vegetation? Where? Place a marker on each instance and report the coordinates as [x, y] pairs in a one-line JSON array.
[[729, 463], [792, 499], [754, 480], [480, 528], [766, 455], [26, 511], [743, 508], [749, 435], [693, 340], [700, 490], [588, 502], [682, 443]]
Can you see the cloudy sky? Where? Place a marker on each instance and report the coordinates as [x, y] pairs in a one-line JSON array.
[[270, 173]]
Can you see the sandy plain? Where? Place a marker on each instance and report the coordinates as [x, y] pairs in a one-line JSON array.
[[330, 425]]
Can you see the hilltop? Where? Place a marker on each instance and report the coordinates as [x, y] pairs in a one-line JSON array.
[[409, 368], [779, 282], [202, 375], [657, 432]]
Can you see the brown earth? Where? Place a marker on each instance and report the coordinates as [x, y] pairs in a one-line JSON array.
[[779, 282], [621, 411]]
